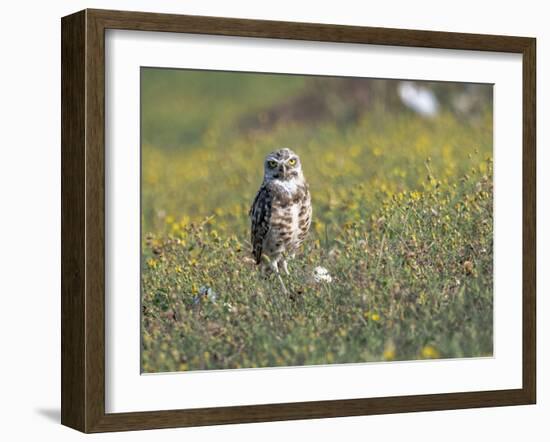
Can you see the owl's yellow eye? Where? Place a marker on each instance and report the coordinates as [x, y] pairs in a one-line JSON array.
[[272, 164], [292, 161]]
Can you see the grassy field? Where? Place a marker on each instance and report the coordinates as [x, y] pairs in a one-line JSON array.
[[402, 221]]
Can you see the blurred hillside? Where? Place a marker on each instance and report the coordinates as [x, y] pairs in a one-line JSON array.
[[205, 134]]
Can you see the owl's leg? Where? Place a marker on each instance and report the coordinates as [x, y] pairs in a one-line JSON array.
[[265, 266], [285, 291], [268, 265], [275, 267], [285, 262], [285, 267]]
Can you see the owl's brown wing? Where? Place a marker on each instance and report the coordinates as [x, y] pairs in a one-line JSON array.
[[260, 215], [304, 215]]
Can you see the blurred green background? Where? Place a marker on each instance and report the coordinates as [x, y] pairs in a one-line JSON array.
[[205, 134]]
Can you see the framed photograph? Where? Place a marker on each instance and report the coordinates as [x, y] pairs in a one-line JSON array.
[[268, 220]]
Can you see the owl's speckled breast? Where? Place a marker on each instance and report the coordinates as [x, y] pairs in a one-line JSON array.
[[290, 217]]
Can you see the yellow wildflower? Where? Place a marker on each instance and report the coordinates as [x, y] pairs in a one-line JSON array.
[[429, 352], [389, 353]]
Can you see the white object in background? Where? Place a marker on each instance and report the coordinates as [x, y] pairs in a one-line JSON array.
[[420, 99]]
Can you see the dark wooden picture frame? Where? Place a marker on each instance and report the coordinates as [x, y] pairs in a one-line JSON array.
[[83, 220]]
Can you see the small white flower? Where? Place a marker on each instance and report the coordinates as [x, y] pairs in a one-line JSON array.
[[320, 274]]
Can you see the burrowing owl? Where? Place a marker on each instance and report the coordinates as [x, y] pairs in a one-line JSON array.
[[281, 212]]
